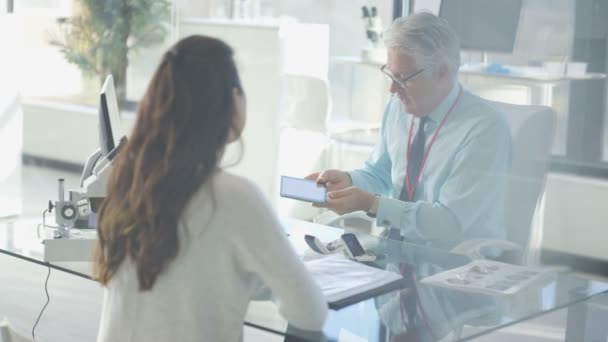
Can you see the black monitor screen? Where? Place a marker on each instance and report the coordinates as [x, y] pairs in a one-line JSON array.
[[483, 25], [110, 126]]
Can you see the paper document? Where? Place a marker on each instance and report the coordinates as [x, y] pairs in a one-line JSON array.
[[489, 277], [346, 282]]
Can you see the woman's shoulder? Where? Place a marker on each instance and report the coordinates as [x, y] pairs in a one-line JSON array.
[[225, 187], [228, 187], [230, 181], [229, 198]]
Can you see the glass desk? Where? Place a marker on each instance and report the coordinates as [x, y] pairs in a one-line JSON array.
[[431, 314]]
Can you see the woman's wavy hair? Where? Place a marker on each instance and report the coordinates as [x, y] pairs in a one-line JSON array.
[[183, 123]]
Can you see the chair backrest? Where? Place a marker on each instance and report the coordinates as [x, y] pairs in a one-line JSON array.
[[532, 130], [307, 102]]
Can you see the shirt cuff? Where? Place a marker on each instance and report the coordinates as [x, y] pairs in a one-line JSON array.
[[398, 214]]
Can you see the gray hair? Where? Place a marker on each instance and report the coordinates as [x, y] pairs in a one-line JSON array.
[[427, 38]]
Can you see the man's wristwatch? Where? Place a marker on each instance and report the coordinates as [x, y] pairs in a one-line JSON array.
[[374, 208]]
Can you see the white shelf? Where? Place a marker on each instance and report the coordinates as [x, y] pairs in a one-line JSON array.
[[527, 74]]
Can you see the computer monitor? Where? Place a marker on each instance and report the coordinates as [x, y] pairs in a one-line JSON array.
[[483, 25], [110, 126]]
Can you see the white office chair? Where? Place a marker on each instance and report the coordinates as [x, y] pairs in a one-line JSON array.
[[532, 129], [7, 334]]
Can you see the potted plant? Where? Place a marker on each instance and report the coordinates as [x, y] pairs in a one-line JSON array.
[[101, 33]]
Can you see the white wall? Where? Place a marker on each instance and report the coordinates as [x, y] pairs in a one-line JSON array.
[[11, 119], [11, 136], [258, 53]]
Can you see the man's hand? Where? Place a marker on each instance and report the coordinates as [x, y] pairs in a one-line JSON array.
[[334, 180], [349, 200]]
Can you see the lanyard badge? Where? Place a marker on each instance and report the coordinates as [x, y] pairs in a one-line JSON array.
[[411, 187]]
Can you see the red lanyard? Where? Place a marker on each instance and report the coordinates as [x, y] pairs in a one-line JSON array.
[[411, 189]]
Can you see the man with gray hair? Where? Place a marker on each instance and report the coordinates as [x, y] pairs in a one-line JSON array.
[[437, 174]]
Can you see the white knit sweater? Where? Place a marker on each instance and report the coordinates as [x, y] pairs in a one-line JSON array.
[[232, 247]]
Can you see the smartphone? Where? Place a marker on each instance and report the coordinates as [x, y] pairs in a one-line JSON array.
[[353, 246], [303, 190]]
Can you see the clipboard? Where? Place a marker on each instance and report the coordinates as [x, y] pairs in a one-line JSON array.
[[345, 282]]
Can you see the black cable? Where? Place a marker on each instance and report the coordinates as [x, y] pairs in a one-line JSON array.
[[48, 299]]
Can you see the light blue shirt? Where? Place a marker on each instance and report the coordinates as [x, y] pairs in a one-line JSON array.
[[461, 191]]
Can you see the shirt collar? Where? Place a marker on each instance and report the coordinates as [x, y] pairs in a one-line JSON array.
[[442, 108]]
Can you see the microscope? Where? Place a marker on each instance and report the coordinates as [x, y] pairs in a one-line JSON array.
[[79, 209], [374, 52]]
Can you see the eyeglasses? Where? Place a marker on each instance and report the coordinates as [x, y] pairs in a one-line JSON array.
[[400, 82]]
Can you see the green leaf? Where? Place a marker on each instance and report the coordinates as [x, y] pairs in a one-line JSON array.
[[99, 38]]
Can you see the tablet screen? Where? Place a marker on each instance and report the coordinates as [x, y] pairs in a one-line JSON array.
[[303, 190]]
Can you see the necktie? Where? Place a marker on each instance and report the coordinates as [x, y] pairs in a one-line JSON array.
[[415, 157]]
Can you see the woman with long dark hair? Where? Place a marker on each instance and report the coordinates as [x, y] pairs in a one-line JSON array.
[[183, 245]]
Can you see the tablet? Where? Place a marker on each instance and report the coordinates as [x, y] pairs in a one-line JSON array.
[[303, 190]]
